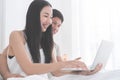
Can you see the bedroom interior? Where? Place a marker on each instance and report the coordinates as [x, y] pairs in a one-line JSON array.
[[87, 23]]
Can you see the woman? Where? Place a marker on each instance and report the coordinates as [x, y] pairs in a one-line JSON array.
[[31, 49]]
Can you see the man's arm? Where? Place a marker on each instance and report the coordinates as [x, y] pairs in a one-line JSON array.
[[3, 64], [4, 70]]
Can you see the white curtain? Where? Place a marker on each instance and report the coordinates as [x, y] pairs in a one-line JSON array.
[[93, 21]]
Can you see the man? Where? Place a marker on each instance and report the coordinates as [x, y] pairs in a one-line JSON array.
[[57, 21]]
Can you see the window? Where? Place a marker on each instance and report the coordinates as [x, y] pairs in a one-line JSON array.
[[93, 21]]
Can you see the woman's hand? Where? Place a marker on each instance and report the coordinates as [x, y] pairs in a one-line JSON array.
[[75, 64], [97, 69], [88, 72]]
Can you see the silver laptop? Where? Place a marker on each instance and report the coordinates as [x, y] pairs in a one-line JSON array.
[[102, 55]]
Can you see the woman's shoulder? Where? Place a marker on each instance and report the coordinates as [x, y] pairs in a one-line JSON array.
[[17, 35], [16, 32]]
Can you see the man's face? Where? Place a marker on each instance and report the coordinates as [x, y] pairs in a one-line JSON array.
[[56, 23]]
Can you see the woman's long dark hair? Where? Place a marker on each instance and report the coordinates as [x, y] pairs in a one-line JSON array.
[[37, 39]]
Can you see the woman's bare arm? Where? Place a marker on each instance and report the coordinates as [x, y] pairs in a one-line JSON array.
[[17, 45], [63, 72]]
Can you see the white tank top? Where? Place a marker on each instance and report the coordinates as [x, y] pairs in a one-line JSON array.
[[15, 68]]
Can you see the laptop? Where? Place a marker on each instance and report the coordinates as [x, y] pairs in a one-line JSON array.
[[102, 55]]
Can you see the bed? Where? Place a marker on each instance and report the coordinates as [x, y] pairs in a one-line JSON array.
[[110, 75]]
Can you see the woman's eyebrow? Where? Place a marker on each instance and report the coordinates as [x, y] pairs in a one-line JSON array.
[[46, 13]]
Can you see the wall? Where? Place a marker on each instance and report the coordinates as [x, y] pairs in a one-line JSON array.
[[64, 36], [15, 12], [12, 17], [1, 24], [0, 21]]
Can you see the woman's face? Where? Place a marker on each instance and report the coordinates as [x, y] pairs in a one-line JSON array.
[[56, 23], [45, 17]]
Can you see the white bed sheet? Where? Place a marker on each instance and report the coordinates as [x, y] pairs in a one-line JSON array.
[[111, 75]]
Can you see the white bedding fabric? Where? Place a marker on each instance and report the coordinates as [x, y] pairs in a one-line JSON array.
[[33, 77], [111, 75]]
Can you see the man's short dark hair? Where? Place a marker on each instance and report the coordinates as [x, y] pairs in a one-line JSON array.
[[58, 14]]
